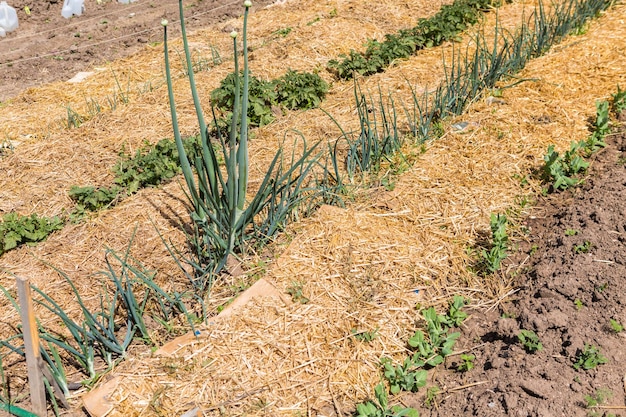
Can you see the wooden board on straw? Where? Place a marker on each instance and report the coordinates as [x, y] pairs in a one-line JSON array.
[[97, 401]]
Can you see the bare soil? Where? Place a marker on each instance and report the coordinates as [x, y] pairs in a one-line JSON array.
[[568, 298], [46, 47]]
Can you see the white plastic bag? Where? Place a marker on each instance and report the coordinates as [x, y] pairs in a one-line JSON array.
[[72, 7], [8, 18]]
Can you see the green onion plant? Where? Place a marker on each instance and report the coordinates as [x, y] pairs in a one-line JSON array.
[[225, 220]]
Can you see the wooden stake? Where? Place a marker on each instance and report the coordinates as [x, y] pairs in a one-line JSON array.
[[31, 345]]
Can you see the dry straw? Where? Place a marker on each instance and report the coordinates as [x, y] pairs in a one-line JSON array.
[[359, 266]]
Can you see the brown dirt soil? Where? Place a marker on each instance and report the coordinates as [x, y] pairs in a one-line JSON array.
[[554, 281], [46, 47]]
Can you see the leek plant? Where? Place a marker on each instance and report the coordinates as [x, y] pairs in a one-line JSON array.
[[225, 222], [490, 61], [376, 139]]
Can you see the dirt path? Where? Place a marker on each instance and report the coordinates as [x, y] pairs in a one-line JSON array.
[[569, 292], [47, 47]]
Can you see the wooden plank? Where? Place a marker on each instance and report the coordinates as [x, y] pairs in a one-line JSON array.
[[31, 346]]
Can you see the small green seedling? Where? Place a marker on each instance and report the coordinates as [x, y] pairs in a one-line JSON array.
[[599, 398], [530, 341], [431, 396], [579, 304], [583, 248], [600, 129], [404, 376], [589, 357], [296, 292], [364, 336], [283, 32], [380, 406], [616, 326], [571, 232], [467, 363], [455, 314], [618, 101], [498, 252], [560, 171]]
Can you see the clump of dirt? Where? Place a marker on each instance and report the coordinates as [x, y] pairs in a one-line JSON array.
[[46, 47], [572, 292]]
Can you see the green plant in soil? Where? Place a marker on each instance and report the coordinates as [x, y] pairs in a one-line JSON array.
[[283, 32], [618, 101], [226, 220], [431, 396], [598, 398], [467, 363], [380, 407], [559, 171], [445, 25], [91, 198], [16, 230], [601, 128], [493, 258], [588, 358], [300, 90], [585, 247], [616, 326], [429, 348], [152, 164], [571, 232], [364, 336], [296, 291], [262, 98], [530, 341], [579, 304]]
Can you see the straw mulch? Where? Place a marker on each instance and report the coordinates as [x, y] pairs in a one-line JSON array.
[[359, 266]]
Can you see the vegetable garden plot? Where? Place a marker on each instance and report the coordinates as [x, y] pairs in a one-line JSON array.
[[383, 260]]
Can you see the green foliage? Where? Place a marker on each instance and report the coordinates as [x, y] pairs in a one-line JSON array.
[[589, 357], [559, 171], [16, 229], [430, 348], [226, 220], [375, 141], [364, 336], [296, 291], [456, 316], [283, 32], [379, 407], [152, 164], [530, 341], [562, 171], [300, 90], [618, 101], [128, 295], [579, 304], [467, 363], [599, 398], [94, 198], [571, 232], [431, 396], [403, 377], [601, 128], [583, 248], [444, 26], [493, 258], [616, 326], [261, 98]]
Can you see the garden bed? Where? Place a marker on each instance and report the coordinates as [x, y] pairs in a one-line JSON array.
[[367, 269]]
